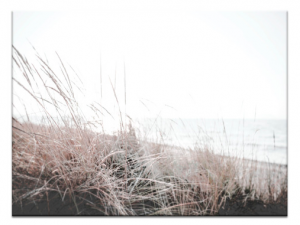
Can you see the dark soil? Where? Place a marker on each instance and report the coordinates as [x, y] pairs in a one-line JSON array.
[[237, 206], [56, 207], [87, 205], [53, 205], [252, 208]]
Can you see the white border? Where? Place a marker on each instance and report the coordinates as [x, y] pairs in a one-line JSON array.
[[6, 7]]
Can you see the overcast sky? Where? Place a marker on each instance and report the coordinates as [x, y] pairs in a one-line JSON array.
[[183, 64]]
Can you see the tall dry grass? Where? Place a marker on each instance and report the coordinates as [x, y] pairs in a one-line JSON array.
[[124, 173]]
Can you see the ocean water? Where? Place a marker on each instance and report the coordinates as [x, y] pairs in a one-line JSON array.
[[262, 140]]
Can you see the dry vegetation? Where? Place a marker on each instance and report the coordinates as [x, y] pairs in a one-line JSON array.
[[67, 168]]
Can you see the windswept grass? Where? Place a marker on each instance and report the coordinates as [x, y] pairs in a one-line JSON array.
[[64, 162]]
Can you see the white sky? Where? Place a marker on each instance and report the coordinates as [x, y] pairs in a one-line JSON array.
[[202, 64]]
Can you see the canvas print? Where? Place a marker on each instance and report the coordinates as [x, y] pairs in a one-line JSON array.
[[149, 113]]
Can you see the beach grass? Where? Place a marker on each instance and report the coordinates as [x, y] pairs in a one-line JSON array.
[[62, 166]]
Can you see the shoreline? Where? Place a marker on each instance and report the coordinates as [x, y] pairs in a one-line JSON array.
[[247, 160]]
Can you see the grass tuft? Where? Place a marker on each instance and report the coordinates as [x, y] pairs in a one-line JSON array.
[[62, 165]]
